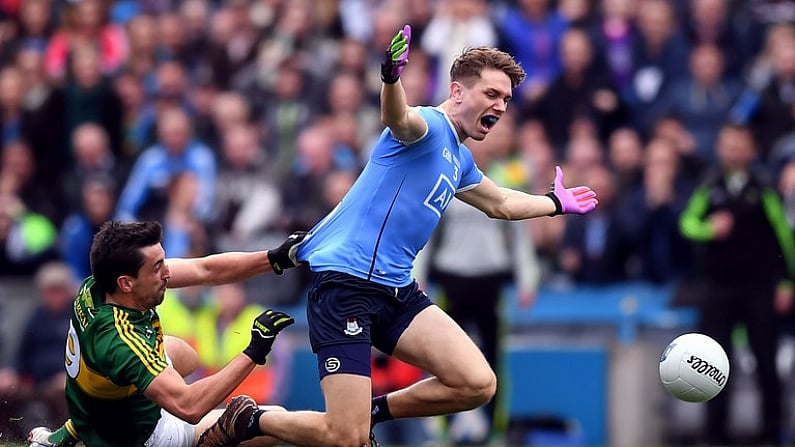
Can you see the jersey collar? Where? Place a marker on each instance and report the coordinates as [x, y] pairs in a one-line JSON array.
[[449, 123]]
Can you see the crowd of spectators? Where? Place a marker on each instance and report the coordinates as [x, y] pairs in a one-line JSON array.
[[235, 122]]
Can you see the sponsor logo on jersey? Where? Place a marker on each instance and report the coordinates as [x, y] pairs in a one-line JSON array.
[[441, 195], [352, 327], [447, 155]]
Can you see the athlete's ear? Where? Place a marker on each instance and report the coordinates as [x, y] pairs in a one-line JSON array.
[[456, 91], [124, 283]]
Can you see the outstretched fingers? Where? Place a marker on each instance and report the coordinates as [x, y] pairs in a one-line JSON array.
[[584, 198], [582, 192]]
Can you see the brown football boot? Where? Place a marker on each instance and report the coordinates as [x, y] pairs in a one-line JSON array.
[[230, 428]]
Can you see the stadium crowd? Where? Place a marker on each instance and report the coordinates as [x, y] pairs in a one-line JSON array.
[[235, 122]]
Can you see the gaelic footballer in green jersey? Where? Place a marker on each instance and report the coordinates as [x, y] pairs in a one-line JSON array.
[[120, 388], [109, 408]]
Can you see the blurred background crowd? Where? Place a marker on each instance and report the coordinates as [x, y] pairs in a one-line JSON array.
[[235, 122]]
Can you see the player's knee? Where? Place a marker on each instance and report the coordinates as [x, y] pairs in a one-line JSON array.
[[183, 357], [480, 386]]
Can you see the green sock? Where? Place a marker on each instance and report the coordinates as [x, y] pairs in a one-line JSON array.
[[62, 437]]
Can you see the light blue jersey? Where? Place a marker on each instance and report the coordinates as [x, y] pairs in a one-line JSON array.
[[393, 207]]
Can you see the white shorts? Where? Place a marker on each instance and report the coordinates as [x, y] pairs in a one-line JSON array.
[[171, 431]]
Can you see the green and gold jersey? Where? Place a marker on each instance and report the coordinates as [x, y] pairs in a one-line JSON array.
[[112, 355]]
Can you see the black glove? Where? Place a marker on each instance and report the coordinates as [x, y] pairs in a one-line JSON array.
[[263, 333], [283, 257]]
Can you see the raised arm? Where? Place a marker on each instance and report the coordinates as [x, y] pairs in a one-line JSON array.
[[509, 204], [224, 268], [405, 123]]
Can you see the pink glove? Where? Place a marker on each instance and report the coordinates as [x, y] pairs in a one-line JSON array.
[[577, 200]]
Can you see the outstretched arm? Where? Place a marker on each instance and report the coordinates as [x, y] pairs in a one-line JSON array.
[[509, 204], [405, 124], [229, 267]]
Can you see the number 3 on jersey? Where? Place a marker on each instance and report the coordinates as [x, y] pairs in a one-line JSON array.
[[72, 360]]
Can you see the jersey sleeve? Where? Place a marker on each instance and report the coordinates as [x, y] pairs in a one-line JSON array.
[[125, 356], [471, 175]]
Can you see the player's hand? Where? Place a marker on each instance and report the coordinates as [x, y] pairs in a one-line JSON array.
[[283, 257], [263, 333], [397, 56], [577, 200]]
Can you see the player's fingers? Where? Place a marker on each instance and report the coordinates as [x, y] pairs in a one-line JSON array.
[[558, 175], [396, 39], [281, 320], [583, 194], [588, 206], [407, 32]]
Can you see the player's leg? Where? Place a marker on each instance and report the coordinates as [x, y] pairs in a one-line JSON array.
[[215, 415], [462, 379], [346, 421], [183, 357], [339, 309], [339, 312]]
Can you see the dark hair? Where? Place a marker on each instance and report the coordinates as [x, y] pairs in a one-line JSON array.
[[116, 250], [473, 60]]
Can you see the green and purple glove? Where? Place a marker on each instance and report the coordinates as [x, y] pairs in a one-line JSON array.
[[577, 200], [397, 56]]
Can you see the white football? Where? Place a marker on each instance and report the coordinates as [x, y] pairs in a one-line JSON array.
[[694, 367]]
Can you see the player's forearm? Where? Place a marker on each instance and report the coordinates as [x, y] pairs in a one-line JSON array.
[[520, 205], [394, 108], [225, 268], [221, 268], [205, 394]]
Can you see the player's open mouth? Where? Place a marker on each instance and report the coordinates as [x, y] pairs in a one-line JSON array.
[[488, 121]]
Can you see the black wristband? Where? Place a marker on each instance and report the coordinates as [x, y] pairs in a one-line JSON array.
[[386, 74], [556, 201]]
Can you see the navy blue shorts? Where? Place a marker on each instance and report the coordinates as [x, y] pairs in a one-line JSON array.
[[347, 315]]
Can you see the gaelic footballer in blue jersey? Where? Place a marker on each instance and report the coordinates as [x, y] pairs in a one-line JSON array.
[[362, 252]]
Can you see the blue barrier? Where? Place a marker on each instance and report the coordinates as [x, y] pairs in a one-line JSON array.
[[564, 382], [628, 306]]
